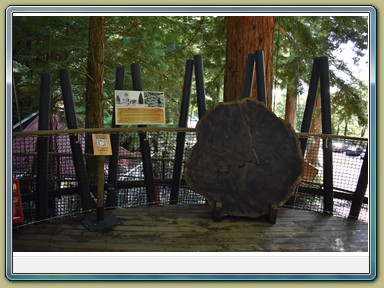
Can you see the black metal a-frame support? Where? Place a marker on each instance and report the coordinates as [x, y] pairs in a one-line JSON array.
[[255, 63], [42, 203], [77, 154], [115, 143], [191, 65], [320, 71], [144, 143], [100, 220], [359, 195]]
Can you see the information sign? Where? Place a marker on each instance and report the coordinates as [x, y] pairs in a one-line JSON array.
[[139, 107]]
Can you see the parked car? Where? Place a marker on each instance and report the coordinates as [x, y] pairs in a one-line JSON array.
[[339, 147], [363, 154], [353, 151]]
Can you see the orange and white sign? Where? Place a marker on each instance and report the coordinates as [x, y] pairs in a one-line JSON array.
[[101, 144]]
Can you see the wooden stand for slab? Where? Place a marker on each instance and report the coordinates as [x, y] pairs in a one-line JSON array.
[[217, 212], [272, 215]]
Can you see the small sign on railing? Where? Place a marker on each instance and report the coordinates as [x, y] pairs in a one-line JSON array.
[[17, 204], [101, 144], [139, 107]]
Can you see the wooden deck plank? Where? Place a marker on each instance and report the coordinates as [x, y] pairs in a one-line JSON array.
[[190, 228]]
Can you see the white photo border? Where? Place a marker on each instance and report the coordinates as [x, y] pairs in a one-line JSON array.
[[14, 261]]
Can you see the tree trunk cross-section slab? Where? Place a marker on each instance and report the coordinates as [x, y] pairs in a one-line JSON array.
[[246, 158]]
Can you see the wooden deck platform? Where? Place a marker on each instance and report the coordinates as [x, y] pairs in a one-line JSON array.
[[190, 228]]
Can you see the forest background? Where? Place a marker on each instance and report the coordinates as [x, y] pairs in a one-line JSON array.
[[162, 44]]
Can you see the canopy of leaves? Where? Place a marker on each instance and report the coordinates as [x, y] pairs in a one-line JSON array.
[[300, 39], [162, 44]]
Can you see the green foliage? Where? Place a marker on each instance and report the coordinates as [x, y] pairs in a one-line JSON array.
[[162, 44], [300, 39], [45, 45]]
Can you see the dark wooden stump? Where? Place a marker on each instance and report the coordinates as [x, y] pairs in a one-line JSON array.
[[246, 159]]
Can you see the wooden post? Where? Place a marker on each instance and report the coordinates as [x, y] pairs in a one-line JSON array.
[[42, 209], [180, 140], [144, 143], [308, 112], [100, 188], [260, 77], [115, 143], [358, 197], [249, 75], [310, 104], [200, 86], [102, 219], [273, 213], [77, 154], [320, 70], [218, 211], [326, 129]]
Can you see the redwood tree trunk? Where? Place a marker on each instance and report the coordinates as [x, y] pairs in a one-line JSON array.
[[290, 107], [95, 74], [246, 34], [94, 117]]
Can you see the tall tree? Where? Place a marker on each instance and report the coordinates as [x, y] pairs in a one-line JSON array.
[[245, 35], [95, 73], [94, 84]]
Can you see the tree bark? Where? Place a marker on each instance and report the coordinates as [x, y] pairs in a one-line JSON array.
[[246, 35], [290, 106], [94, 117]]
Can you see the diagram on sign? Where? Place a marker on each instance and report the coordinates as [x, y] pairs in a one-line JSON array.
[[139, 107]]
